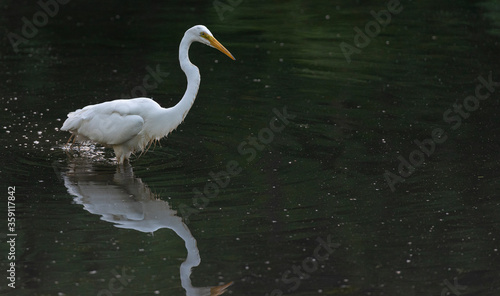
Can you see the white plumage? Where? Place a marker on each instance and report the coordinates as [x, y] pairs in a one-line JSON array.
[[132, 125]]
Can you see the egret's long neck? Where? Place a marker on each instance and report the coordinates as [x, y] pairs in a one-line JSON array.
[[193, 80]]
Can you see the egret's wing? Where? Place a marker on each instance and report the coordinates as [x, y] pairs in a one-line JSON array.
[[104, 123], [111, 129]]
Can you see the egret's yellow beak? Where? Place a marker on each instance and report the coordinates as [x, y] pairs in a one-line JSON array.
[[219, 290], [216, 44]]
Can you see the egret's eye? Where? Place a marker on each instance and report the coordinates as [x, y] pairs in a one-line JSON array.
[[204, 35]]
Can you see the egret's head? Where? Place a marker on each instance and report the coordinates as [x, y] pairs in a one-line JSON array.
[[203, 35]]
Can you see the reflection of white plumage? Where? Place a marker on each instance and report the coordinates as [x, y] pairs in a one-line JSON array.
[[131, 125], [124, 200]]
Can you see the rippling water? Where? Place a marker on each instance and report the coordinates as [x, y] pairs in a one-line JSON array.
[[381, 179]]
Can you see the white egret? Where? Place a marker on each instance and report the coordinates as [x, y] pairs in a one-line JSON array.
[[134, 124]]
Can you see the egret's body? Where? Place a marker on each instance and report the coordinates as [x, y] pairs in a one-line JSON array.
[[132, 125]]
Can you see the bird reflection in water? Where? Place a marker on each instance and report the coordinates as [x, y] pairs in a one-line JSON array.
[[128, 203]]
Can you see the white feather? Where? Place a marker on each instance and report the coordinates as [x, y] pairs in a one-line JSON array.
[[130, 125]]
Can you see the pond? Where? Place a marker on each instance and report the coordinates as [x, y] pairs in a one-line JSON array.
[[350, 149]]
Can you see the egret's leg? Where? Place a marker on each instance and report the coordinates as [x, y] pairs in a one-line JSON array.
[[122, 153], [72, 136]]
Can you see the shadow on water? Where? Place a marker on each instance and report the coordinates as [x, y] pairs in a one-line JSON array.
[[124, 200]]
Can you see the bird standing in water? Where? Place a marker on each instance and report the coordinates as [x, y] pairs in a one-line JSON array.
[[134, 124]]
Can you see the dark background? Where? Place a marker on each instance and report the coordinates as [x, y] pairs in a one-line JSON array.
[[323, 175]]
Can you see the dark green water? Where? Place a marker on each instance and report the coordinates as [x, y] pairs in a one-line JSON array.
[[317, 207]]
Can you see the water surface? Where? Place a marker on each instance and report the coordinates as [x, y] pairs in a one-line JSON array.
[[307, 210]]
